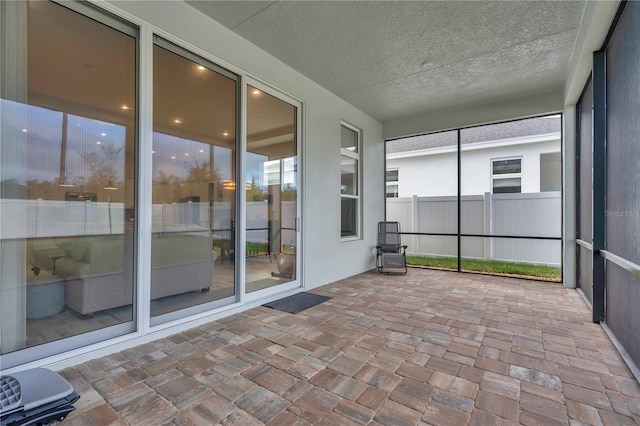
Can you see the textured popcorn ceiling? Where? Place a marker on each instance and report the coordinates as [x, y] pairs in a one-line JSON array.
[[396, 58]]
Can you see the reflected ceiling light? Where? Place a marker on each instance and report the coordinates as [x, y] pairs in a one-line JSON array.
[[256, 92], [24, 130], [200, 68], [173, 157], [103, 134], [98, 143], [186, 154], [153, 152], [177, 121], [125, 107], [202, 150], [225, 133]]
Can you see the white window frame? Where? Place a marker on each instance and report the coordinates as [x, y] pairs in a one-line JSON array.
[[357, 156], [495, 177], [392, 182]]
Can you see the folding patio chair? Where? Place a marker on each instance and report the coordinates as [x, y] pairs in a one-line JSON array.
[[390, 258]]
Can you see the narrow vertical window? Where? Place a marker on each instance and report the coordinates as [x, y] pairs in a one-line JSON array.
[[391, 179], [506, 176], [350, 166]]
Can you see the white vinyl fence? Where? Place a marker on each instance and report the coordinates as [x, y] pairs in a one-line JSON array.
[[533, 214], [49, 218], [52, 218]]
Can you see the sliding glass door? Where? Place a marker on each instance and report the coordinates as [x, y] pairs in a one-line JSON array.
[[75, 153], [272, 191], [194, 195], [67, 178]]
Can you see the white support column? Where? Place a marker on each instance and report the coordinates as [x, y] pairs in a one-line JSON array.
[[488, 226], [569, 197], [144, 184], [241, 192], [415, 224]]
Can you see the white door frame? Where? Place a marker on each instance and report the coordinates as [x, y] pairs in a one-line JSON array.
[[297, 284]]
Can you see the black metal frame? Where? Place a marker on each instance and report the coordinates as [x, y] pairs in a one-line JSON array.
[[517, 237], [459, 203], [459, 235], [599, 182], [577, 185], [599, 164]]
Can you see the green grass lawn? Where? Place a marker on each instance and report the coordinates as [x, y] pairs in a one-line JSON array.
[[253, 248], [257, 247], [543, 272]]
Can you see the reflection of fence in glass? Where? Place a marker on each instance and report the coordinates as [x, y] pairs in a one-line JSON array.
[[182, 216], [49, 218], [529, 214], [52, 218]]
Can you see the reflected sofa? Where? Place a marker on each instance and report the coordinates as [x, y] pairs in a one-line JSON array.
[[98, 270]]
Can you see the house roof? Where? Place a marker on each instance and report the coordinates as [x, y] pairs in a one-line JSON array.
[[508, 130]]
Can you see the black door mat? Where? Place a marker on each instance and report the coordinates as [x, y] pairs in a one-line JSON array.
[[297, 303]]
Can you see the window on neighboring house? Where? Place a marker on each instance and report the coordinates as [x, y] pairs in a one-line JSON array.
[[392, 183], [506, 176], [349, 181]]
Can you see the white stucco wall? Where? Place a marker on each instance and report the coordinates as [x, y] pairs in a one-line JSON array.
[[436, 174], [322, 111]]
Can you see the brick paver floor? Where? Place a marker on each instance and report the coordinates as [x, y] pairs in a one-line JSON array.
[[431, 347]]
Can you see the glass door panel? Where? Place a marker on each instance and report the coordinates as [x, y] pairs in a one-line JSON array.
[[66, 179], [194, 195], [271, 191]]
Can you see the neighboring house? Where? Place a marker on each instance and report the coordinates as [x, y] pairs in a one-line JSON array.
[[515, 157]]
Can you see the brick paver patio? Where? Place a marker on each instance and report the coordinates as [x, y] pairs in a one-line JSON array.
[[431, 347]]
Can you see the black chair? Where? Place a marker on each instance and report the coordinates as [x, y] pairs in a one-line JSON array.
[[390, 257]]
